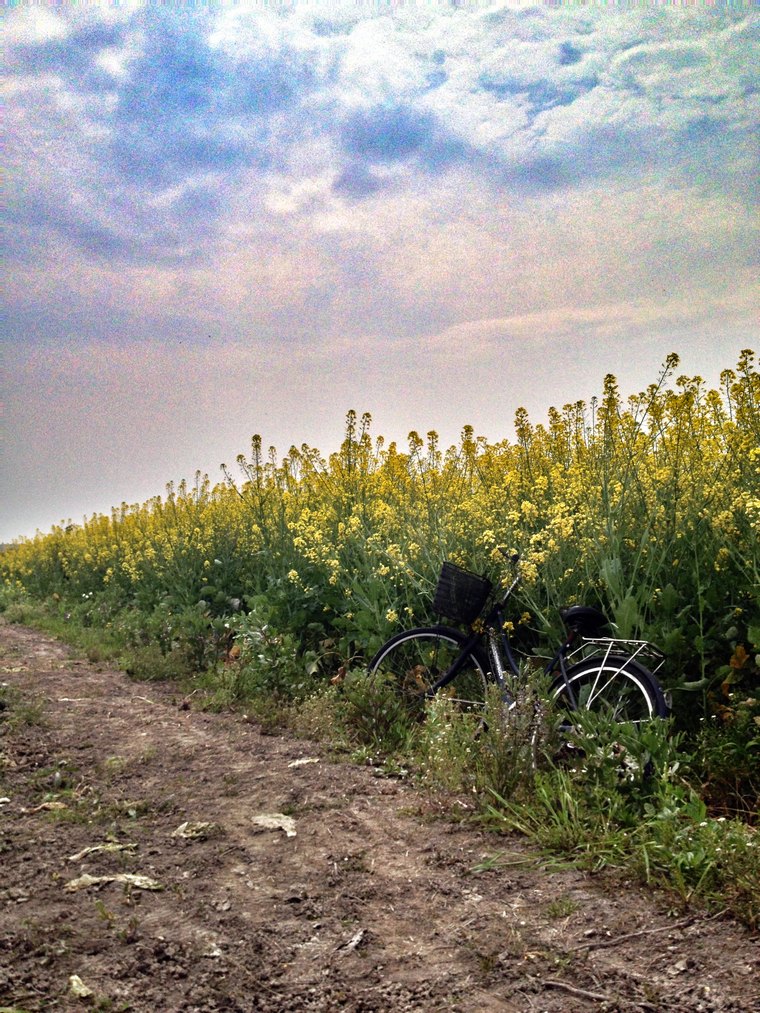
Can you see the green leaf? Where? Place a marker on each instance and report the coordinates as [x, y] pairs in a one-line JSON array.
[[669, 599], [627, 617], [694, 687]]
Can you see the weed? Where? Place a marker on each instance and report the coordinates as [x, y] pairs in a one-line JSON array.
[[514, 736], [19, 711], [715, 861], [323, 715], [493, 752], [104, 913], [149, 663], [727, 757], [500, 861], [16, 605], [559, 819], [623, 800], [562, 907], [447, 745], [130, 932], [487, 961], [375, 714]]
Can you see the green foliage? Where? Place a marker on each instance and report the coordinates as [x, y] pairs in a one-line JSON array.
[[16, 605], [626, 796], [645, 506], [269, 662], [727, 759], [714, 860], [148, 663], [376, 715]]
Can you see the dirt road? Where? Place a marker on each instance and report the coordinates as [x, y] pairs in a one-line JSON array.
[[138, 872]]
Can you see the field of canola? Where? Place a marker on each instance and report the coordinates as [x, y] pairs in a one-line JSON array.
[[647, 506]]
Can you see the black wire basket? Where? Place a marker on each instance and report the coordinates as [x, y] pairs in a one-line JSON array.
[[460, 595]]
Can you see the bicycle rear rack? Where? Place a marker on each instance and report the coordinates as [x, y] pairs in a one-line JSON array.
[[646, 654]]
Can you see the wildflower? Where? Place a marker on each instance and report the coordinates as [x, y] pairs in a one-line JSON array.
[[392, 616]]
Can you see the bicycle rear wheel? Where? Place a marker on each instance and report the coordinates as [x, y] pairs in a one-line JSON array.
[[614, 685], [414, 660]]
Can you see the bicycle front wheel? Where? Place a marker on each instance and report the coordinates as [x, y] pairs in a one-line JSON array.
[[614, 685], [415, 660]]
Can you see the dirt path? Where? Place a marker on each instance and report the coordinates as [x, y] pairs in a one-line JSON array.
[[373, 904]]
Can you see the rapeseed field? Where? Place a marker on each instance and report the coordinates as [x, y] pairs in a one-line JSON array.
[[647, 506]]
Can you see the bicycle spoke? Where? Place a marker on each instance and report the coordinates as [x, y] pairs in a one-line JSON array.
[[612, 685], [417, 660]]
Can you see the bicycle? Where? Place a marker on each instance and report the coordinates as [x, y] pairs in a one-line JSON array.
[[587, 672]]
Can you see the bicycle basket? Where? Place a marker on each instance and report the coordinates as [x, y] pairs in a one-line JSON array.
[[460, 595]]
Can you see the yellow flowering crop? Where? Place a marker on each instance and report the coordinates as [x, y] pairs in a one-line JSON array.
[[648, 507]]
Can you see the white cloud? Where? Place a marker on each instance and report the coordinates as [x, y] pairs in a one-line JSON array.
[[34, 25]]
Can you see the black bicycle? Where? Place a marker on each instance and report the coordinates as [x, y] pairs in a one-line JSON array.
[[589, 671]]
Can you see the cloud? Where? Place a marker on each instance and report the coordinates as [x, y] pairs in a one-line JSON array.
[[73, 55], [161, 119], [226, 221], [166, 121], [629, 98], [163, 142], [358, 181], [602, 322], [153, 125], [391, 139]]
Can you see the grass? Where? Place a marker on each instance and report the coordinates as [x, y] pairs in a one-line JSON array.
[[636, 807], [622, 797], [562, 907], [18, 710]]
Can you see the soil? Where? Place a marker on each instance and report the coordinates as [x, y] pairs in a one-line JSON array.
[[366, 899]]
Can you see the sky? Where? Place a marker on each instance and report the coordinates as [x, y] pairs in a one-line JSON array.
[[238, 218]]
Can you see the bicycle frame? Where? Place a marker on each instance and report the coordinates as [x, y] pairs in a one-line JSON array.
[[499, 651]]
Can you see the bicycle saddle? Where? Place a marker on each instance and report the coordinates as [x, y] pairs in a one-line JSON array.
[[583, 619]]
